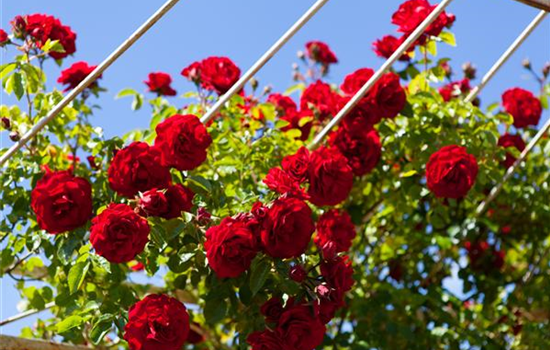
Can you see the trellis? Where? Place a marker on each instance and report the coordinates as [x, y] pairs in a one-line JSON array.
[[14, 343]]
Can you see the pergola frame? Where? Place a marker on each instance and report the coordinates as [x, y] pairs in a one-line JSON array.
[[14, 343]]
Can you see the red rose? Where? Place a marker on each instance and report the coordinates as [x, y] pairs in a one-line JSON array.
[[92, 162], [137, 168], [455, 89], [43, 27], [272, 310], [194, 337], [3, 37], [218, 74], [386, 98], [320, 100], [386, 46], [338, 276], [523, 106], [330, 177], [508, 140], [193, 72], [62, 202], [335, 227], [74, 75], [297, 273], [230, 247], [159, 83], [283, 104], [153, 203], [413, 12], [182, 141], [118, 234], [158, 322], [287, 228], [265, 340], [361, 147], [484, 257], [297, 165], [281, 182], [320, 52], [295, 121], [299, 329], [451, 172]]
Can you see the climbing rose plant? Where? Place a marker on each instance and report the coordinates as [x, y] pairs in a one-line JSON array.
[[261, 242]]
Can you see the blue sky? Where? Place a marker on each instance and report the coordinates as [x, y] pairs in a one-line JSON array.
[[244, 29]]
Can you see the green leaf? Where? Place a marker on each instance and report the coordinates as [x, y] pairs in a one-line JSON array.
[[69, 323], [77, 274], [448, 38], [259, 274], [16, 85], [101, 328], [126, 92], [215, 310]]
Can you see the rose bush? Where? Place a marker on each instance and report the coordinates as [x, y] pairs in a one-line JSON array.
[[260, 241]]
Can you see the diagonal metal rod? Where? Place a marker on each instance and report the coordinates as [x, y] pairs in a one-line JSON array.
[[381, 71], [511, 170], [26, 314], [506, 55], [263, 60], [89, 79]]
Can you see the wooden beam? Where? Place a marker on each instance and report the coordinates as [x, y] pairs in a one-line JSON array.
[[13, 343], [540, 4]]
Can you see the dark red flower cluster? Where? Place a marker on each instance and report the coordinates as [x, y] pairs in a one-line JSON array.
[[43, 27], [119, 234], [360, 145], [451, 172], [326, 170], [408, 17], [294, 326], [338, 279], [335, 232], [455, 89], [320, 100], [158, 322], [484, 257], [320, 52], [509, 140], [74, 75], [287, 110], [282, 230], [159, 83], [61, 201], [523, 106], [213, 73]]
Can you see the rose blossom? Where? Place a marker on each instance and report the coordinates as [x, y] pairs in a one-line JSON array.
[[166, 204], [119, 234], [74, 75], [281, 182], [455, 89], [508, 140], [412, 13], [43, 27], [137, 168], [387, 45], [299, 329], [182, 141], [297, 165], [230, 248], [451, 172], [523, 106], [320, 100], [330, 177], [265, 340], [334, 227], [213, 73], [287, 228], [3, 37], [159, 83], [62, 202], [320, 52], [361, 146], [158, 322]]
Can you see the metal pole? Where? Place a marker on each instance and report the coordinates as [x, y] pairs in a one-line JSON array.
[[13, 343], [374, 79], [25, 314], [506, 55], [89, 79], [496, 190], [263, 60]]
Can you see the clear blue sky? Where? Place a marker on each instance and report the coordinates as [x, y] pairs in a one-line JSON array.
[[244, 29]]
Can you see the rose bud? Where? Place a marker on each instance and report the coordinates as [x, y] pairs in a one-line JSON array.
[[203, 216], [267, 90], [19, 26], [14, 136], [301, 55], [469, 70], [6, 123], [254, 84], [526, 64], [92, 162], [298, 273]]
